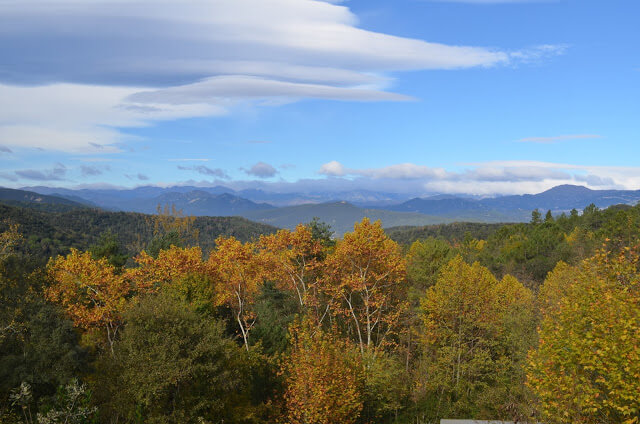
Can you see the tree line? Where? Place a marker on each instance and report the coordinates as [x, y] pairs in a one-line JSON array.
[[537, 322]]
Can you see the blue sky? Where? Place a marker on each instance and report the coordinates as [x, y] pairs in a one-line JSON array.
[[410, 96]]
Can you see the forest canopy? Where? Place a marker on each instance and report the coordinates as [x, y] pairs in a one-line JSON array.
[[533, 322]]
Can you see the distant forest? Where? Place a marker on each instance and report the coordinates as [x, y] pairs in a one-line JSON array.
[[112, 318]]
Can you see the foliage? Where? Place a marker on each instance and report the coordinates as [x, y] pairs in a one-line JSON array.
[[296, 326], [424, 261], [238, 272], [91, 292], [476, 334], [587, 365], [108, 246], [323, 382], [72, 406], [365, 278], [48, 234], [173, 365], [293, 256]]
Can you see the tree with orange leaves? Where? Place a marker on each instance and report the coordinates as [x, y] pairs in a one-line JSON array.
[[91, 292], [294, 258], [171, 265], [366, 279], [238, 272], [322, 377]]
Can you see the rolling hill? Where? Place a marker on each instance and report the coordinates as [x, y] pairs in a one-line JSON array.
[[32, 200], [340, 215]]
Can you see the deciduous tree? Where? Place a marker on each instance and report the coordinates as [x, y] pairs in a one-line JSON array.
[[586, 368], [90, 291], [322, 377], [168, 267], [476, 334], [238, 272], [366, 279]]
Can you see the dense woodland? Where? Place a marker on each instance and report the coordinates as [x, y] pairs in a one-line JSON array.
[[168, 319]]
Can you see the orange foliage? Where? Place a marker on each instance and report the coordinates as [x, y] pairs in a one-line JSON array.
[[238, 271], [90, 291], [366, 278], [170, 265], [322, 378], [294, 259]]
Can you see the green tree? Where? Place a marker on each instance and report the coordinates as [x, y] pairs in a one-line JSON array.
[[38, 345], [109, 247], [586, 368], [548, 217], [173, 365], [536, 217], [424, 261], [476, 334]]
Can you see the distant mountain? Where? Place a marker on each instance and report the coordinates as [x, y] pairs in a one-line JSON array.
[[32, 200], [564, 198], [517, 207], [342, 209], [210, 201], [340, 215], [198, 203]]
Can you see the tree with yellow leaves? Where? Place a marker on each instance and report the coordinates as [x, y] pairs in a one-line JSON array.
[[586, 368], [366, 279], [475, 337], [91, 292], [294, 259], [171, 265], [238, 272], [322, 377]]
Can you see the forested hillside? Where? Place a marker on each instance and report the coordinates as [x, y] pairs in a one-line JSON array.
[[51, 233], [533, 322], [531, 250]]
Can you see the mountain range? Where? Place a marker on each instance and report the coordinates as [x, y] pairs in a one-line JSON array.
[[288, 209]]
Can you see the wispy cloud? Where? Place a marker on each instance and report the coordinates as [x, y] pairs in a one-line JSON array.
[[139, 177], [5, 149], [92, 170], [283, 51], [559, 138], [204, 170], [57, 173], [8, 177]]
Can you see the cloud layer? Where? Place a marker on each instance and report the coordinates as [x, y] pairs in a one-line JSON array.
[[77, 71], [488, 178]]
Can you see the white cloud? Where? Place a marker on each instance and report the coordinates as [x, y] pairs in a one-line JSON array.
[[79, 118], [333, 169], [87, 68], [405, 171], [487, 178]]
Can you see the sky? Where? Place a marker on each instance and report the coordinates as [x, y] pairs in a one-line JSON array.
[[481, 97]]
